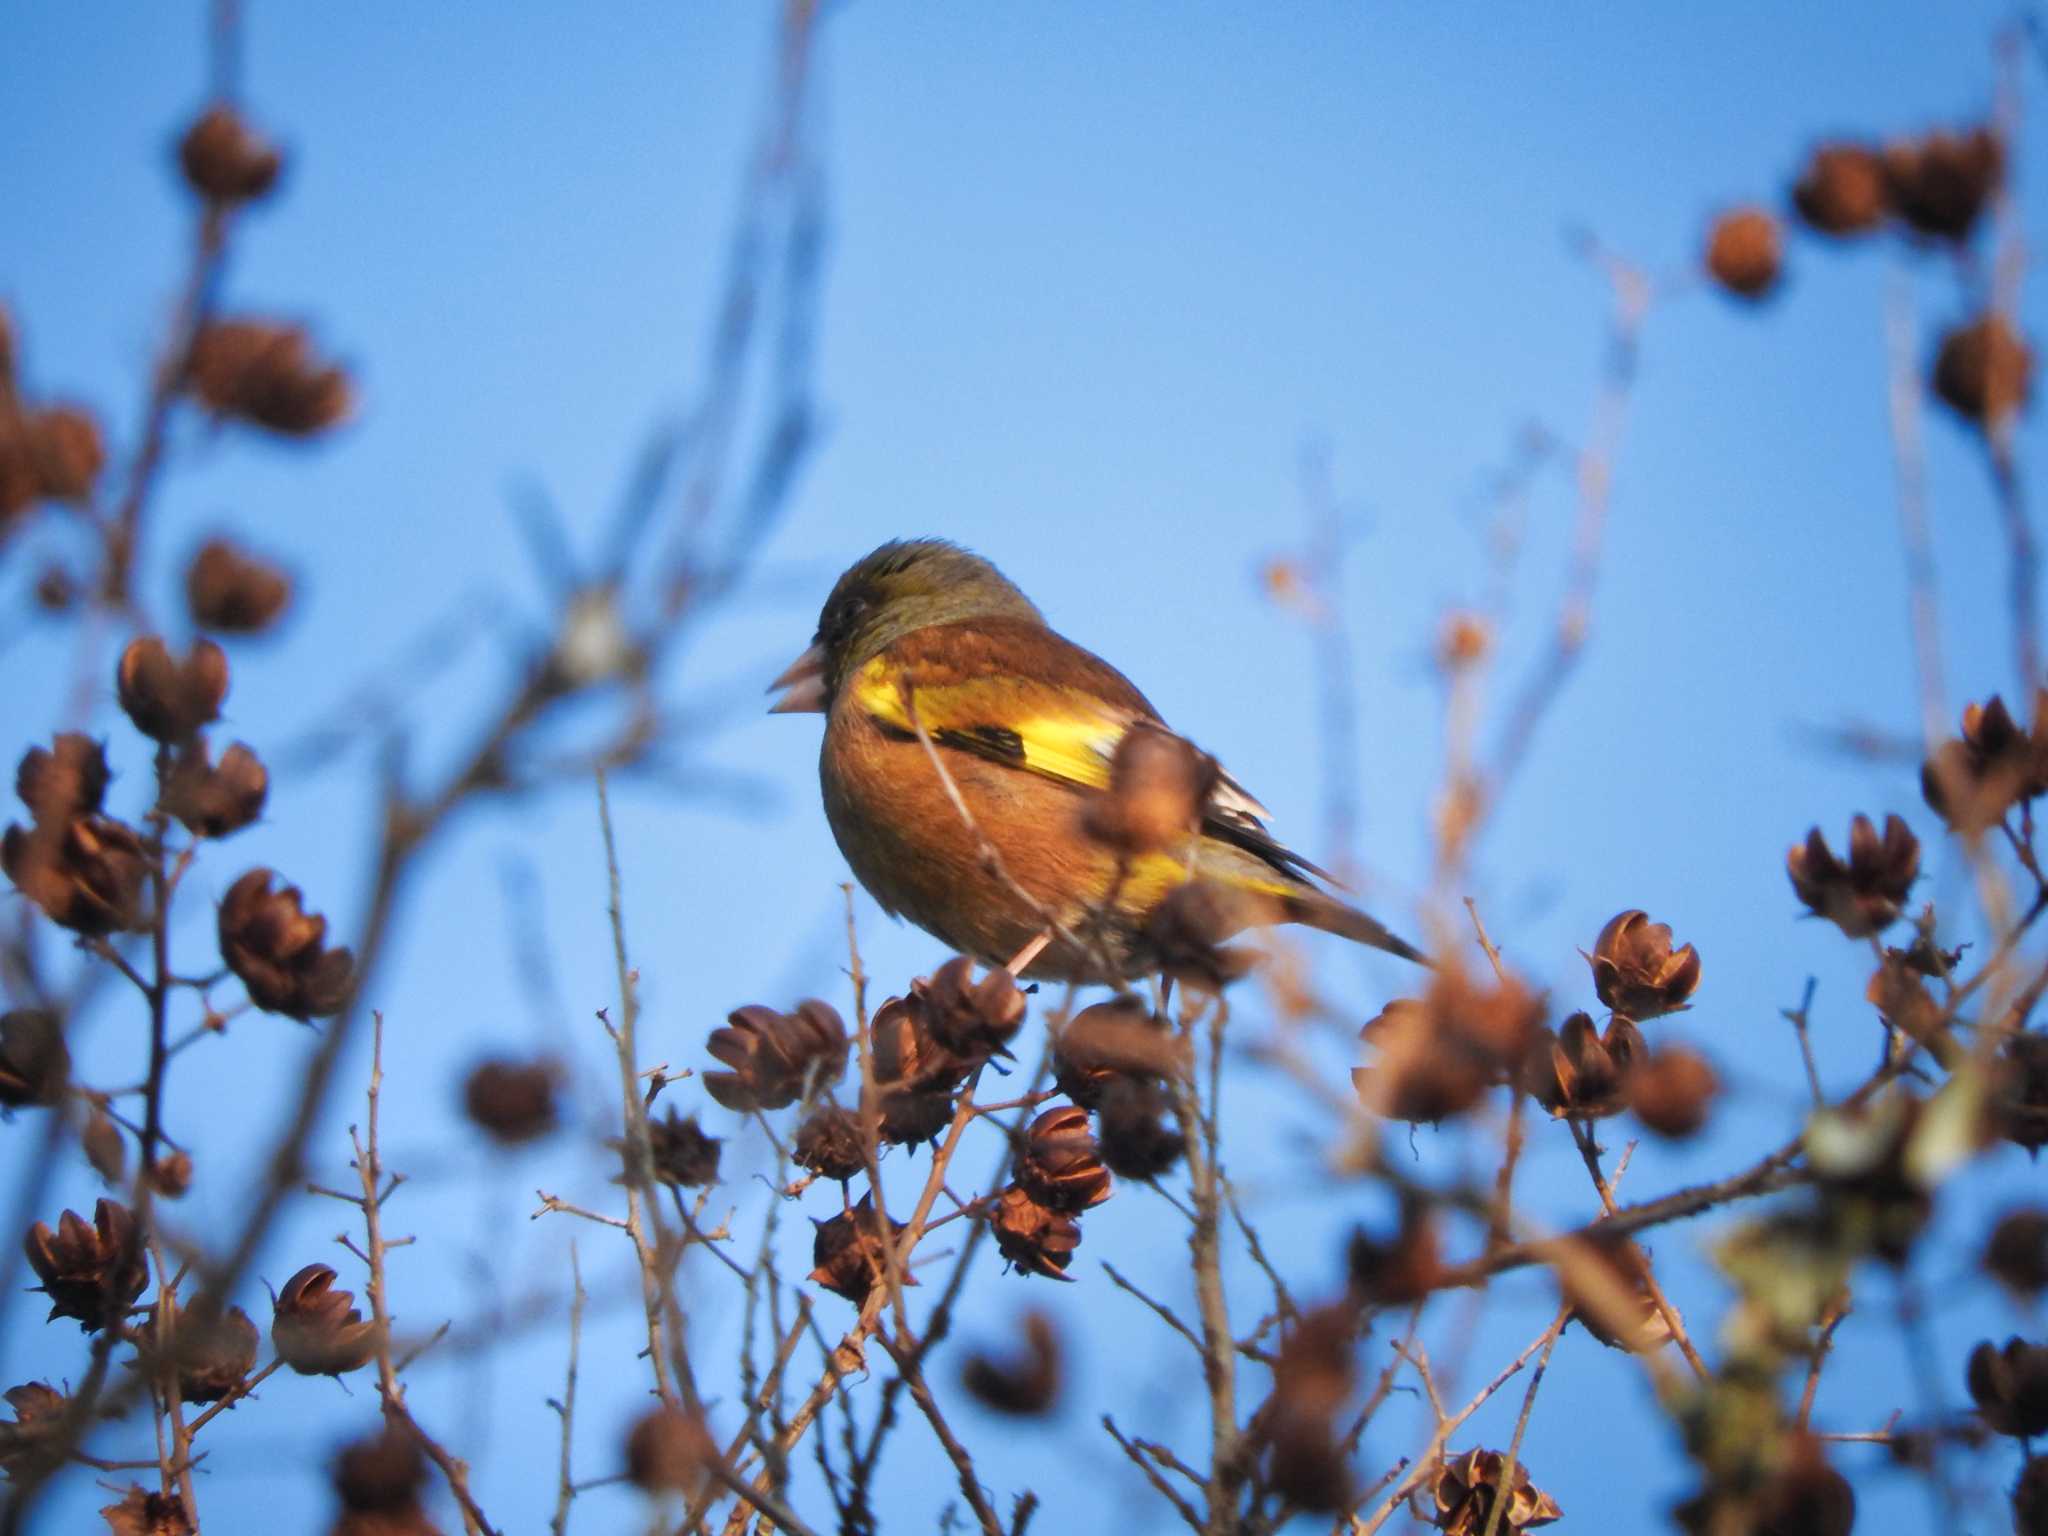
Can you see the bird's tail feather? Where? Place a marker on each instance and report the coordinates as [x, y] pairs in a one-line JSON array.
[[1334, 916]]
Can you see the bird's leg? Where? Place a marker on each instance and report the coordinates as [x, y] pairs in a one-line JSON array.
[[1028, 953]]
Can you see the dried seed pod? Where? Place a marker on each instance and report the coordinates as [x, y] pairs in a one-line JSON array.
[[86, 874], [682, 1153], [2030, 1498], [1637, 972], [1468, 1485], [214, 1352], [64, 780], [143, 1513], [104, 1148], [384, 1471], [1118, 1038], [1940, 183], [1634, 1322], [512, 1100], [1138, 1137], [1581, 1072], [233, 592], [215, 799], [2019, 1090], [1984, 371], [65, 448], [39, 1410], [169, 698], [2010, 1387], [1159, 786], [1971, 781], [1313, 1375], [666, 1450], [912, 1117], [1671, 1091], [1866, 894], [91, 1273], [828, 1143], [279, 949], [1057, 1163], [848, 1253], [1026, 1385], [171, 1174], [1806, 1496], [1439, 1054], [35, 1064], [2016, 1253], [776, 1057], [974, 1020], [1183, 937], [1842, 190], [226, 161], [1398, 1272], [317, 1329], [266, 373], [1036, 1240], [1745, 252], [908, 1055]]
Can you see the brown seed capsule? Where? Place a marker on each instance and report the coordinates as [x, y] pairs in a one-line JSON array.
[[143, 1513], [1313, 1374], [1138, 1136], [1984, 371], [215, 799], [511, 1099], [213, 1352], [972, 1019], [1057, 1164], [266, 374], [1468, 1485], [914, 1116], [35, 1064], [317, 1329], [91, 1273], [1842, 190], [908, 1055], [2016, 1253], [1026, 1385], [1637, 972], [224, 160], [1806, 1497], [87, 874], [1581, 1072], [1744, 252], [66, 779], [1183, 937], [39, 1410], [384, 1471], [65, 448], [233, 592], [1035, 1240], [104, 1148], [776, 1058], [2010, 1387], [682, 1153], [1608, 1284], [1866, 894], [1671, 1091], [848, 1253], [1970, 782], [1398, 1272], [666, 1450], [828, 1143], [279, 949], [1940, 183], [1439, 1054], [167, 698], [1159, 786], [2019, 1091], [171, 1174], [1118, 1038]]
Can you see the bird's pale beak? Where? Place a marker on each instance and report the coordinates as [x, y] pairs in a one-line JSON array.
[[803, 685]]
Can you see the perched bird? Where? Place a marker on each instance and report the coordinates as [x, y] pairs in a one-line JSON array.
[[1015, 795]]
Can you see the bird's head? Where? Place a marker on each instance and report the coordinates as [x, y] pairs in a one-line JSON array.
[[905, 585]]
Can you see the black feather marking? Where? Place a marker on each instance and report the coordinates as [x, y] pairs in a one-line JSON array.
[[996, 742]]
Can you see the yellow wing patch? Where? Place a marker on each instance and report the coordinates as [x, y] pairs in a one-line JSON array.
[[1061, 733]]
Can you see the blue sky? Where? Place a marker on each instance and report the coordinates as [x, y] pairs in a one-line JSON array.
[[1095, 280]]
